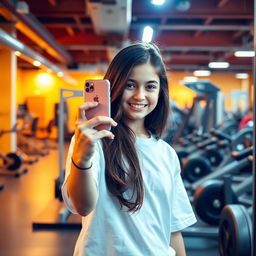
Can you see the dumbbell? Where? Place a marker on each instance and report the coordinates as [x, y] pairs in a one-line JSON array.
[[240, 161], [212, 196], [202, 161], [215, 153], [235, 231]]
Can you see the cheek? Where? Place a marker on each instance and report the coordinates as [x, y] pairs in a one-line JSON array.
[[154, 99], [153, 102]]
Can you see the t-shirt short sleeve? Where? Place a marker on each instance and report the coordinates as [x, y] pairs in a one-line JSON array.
[[182, 214], [95, 170]]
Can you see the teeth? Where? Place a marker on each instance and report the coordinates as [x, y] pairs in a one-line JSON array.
[[137, 106]]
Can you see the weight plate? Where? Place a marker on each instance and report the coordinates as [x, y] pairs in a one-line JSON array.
[[235, 231], [196, 168], [209, 200], [16, 162], [214, 156]]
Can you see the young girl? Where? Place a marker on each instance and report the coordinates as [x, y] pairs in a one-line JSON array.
[[126, 182]]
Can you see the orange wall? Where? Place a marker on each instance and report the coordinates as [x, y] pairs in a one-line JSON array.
[[226, 82], [30, 86]]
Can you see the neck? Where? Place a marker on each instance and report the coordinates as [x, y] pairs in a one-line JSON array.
[[143, 135], [138, 128]]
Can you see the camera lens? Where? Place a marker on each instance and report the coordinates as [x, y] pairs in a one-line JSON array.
[[91, 88], [87, 84], [87, 89]]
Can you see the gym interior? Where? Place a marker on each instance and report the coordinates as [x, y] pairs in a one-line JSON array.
[[48, 49]]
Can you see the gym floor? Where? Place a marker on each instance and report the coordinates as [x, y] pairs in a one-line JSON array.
[[23, 199]]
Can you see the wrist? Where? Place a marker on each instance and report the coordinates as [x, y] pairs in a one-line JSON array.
[[80, 166]]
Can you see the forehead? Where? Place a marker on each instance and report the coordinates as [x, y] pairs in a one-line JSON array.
[[144, 72]]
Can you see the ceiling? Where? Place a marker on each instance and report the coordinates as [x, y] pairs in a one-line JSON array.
[[210, 30]]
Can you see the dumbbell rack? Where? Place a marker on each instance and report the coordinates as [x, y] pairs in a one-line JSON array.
[[56, 215]]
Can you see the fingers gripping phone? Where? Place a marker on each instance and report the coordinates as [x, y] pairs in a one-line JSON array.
[[98, 91]]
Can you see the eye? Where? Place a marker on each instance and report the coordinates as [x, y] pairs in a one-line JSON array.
[[130, 86], [151, 87]]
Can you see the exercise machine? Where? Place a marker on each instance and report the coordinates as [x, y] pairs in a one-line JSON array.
[[56, 215], [207, 117], [27, 140]]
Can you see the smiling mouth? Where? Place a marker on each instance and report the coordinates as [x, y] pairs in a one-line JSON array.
[[138, 106]]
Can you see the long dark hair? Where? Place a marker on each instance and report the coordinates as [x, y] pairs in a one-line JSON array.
[[122, 164]]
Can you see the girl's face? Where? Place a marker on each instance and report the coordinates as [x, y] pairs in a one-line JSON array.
[[141, 93]]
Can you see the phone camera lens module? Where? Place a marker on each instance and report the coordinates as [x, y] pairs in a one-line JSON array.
[[87, 84], [87, 89]]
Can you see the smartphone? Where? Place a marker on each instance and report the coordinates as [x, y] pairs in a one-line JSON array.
[[99, 91]]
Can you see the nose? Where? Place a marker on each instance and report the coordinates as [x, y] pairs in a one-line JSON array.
[[139, 94]]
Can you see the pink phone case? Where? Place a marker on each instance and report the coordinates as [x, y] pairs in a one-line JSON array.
[[98, 90]]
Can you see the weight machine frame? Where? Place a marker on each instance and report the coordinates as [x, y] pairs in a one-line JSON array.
[[56, 215], [213, 112]]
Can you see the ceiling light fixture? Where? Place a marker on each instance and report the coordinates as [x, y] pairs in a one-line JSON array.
[[218, 64], [147, 34], [17, 53], [244, 53], [36, 63], [182, 5], [202, 73], [60, 74], [242, 76], [157, 2], [190, 79]]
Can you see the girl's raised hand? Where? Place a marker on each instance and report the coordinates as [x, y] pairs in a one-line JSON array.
[[86, 135]]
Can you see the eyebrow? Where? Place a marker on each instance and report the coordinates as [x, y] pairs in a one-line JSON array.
[[148, 82]]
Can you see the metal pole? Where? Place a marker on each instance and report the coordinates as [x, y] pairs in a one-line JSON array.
[[61, 134], [63, 98], [254, 136]]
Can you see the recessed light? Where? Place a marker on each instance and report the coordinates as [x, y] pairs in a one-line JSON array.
[[147, 34], [218, 64], [241, 75], [157, 2], [244, 53], [202, 72], [190, 79], [37, 63]]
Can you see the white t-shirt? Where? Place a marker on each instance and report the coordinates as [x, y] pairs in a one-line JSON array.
[[109, 231]]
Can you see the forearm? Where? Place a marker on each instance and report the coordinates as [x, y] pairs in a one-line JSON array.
[[177, 243], [82, 190], [81, 185]]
